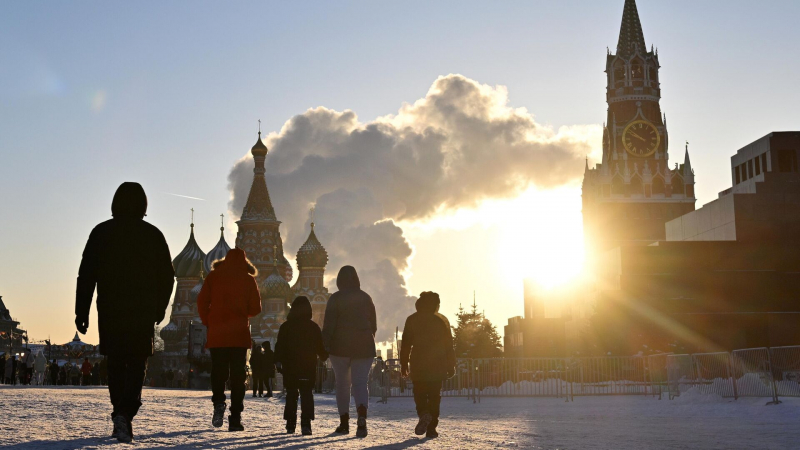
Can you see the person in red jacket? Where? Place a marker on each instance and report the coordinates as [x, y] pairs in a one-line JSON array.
[[86, 372], [228, 299]]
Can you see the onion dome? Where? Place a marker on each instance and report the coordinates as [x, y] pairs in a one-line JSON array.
[[169, 332], [312, 253], [218, 252], [275, 286], [189, 262], [259, 149]]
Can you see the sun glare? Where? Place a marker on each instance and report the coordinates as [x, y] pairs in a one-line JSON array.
[[541, 237]]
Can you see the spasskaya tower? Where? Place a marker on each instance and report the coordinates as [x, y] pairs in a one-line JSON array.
[[633, 192]]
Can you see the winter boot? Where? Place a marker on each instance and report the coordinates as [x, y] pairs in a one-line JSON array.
[[219, 415], [431, 433], [235, 422], [291, 425], [344, 424], [121, 427], [117, 427], [305, 427], [361, 430], [422, 425]]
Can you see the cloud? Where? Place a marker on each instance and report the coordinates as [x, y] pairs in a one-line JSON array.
[[460, 144]]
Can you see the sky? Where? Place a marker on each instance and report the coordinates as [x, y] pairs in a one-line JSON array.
[[168, 94]]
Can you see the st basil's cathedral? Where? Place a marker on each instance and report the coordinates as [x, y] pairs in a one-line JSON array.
[[259, 235]]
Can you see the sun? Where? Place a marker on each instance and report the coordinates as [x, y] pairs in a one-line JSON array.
[[541, 237]]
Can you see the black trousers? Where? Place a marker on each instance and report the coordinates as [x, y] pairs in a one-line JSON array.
[[125, 379], [229, 362], [304, 388], [258, 384], [427, 397]]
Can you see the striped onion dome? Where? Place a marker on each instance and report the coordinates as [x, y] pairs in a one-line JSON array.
[[189, 261], [218, 252], [275, 286], [312, 253]]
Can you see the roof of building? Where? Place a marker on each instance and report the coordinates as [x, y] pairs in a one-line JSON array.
[[631, 36], [312, 253], [189, 261]]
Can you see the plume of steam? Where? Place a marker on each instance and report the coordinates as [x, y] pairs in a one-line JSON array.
[[460, 144]]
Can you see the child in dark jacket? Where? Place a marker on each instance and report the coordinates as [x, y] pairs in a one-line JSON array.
[[299, 344], [428, 347]]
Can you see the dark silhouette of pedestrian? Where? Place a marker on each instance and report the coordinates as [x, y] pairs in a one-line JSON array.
[[256, 369], [86, 372], [296, 351], [96, 374], [228, 299], [268, 363], [170, 377], [349, 337], [128, 260], [53, 372], [428, 348]]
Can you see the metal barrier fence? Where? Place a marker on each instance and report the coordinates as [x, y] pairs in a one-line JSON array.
[[759, 372]]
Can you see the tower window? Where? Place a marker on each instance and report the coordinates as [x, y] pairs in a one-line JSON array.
[[617, 186], [677, 185]]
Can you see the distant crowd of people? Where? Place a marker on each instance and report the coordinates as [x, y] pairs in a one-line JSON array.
[[228, 299], [37, 371]]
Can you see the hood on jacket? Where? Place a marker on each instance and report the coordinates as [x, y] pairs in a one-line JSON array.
[[347, 278], [235, 259], [130, 201], [301, 309], [428, 302]]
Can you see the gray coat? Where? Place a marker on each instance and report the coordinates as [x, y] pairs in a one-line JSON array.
[[350, 322]]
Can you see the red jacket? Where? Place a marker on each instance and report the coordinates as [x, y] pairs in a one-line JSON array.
[[228, 299], [86, 368]]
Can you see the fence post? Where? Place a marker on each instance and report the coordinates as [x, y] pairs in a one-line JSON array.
[[775, 400], [732, 376]]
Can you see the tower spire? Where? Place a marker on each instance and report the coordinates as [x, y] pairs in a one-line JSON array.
[[222, 225], [631, 36]]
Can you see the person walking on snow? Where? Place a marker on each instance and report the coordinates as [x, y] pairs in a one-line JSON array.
[[268, 366], [40, 367], [428, 347], [128, 261], [256, 363], [86, 372], [228, 299], [53, 372], [349, 337], [296, 351]]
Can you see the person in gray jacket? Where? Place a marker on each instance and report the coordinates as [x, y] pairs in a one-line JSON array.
[[348, 334]]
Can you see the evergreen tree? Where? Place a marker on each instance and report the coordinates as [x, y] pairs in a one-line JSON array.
[[475, 336]]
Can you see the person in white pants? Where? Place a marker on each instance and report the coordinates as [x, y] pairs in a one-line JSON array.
[[39, 367], [349, 337]]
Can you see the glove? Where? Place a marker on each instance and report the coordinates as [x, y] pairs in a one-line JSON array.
[[82, 323]]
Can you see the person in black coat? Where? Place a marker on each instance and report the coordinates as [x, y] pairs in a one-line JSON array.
[[428, 347], [299, 344], [257, 370], [128, 260], [268, 366]]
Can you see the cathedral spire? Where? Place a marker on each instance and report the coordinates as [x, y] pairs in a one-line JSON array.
[[631, 36], [259, 206]]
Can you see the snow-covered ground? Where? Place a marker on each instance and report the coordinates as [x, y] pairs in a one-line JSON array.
[[65, 418]]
